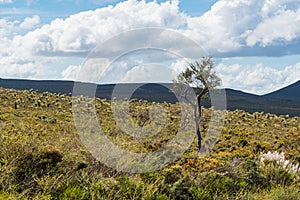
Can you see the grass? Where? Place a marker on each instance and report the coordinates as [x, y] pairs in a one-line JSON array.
[[42, 157]]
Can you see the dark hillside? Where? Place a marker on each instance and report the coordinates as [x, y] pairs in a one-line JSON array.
[[291, 92], [282, 102]]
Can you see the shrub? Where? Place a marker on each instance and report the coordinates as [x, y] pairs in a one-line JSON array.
[[277, 193], [277, 169], [36, 164]]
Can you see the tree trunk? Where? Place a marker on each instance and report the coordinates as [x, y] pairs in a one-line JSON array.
[[197, 115], [198, 136]]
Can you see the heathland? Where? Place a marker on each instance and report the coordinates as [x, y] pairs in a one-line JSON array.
[[257, 155]]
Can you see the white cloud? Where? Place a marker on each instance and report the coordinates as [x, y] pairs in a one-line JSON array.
[[233, 25], [6, 1], [21, 66], [7, 27], [229, 27], [180, 65], [257, 79], [30, 22], [71, 72], [273, 7], [148, 73], [81, 32], [93, 69], [29, 2], [283, 28], [219, 29]]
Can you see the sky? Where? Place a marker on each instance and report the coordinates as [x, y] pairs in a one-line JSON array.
[[255, 44]]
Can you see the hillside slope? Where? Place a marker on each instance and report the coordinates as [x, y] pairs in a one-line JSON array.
[[291, 92]]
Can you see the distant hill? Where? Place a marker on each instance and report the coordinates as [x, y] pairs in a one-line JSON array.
[[291, 92], [255, 103], [281, 102], [52, 86]]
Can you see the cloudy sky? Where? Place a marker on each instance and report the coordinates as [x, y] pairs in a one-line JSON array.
[[255, 43]]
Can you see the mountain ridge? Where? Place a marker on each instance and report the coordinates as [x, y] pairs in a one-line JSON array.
[[290, 92], [285, 101]]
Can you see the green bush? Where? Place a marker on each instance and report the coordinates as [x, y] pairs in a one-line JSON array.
[[277, 193]]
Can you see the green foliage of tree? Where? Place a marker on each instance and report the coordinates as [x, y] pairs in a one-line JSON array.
[[202, 77]]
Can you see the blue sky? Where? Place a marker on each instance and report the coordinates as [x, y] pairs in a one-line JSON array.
[[49, 10], [256, 44], [55, 6]]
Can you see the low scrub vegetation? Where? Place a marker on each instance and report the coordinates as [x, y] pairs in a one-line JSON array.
[[257, 155]]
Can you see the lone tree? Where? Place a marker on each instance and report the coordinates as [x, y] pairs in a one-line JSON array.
[[202, 77]]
